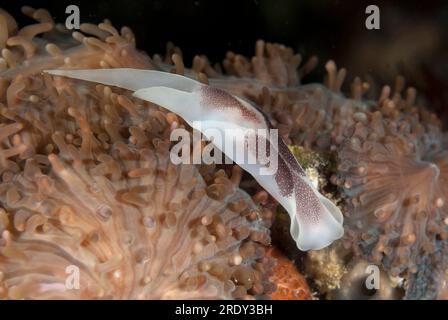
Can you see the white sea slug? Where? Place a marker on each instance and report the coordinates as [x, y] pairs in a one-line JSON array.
[[315, 221]]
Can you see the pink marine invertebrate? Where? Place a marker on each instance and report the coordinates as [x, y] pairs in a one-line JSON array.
[[86, 182]]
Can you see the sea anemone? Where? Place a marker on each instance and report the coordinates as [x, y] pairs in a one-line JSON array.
[[87, 183], [394, 175], [353, 284], [86, 180]]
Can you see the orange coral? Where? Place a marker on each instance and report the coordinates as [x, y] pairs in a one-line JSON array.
[[391, 154], [291, 285]]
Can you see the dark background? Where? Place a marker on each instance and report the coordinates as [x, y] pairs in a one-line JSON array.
[[412, 40]]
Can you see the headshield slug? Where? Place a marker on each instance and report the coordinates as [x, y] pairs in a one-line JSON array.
[[315, 221]]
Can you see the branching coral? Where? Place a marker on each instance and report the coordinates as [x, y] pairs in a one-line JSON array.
[[87, 182]]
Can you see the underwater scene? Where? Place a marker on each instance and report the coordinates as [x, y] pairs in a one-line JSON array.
[[223, 150]]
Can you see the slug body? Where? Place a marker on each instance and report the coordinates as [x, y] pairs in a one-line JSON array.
[[315, 221]]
